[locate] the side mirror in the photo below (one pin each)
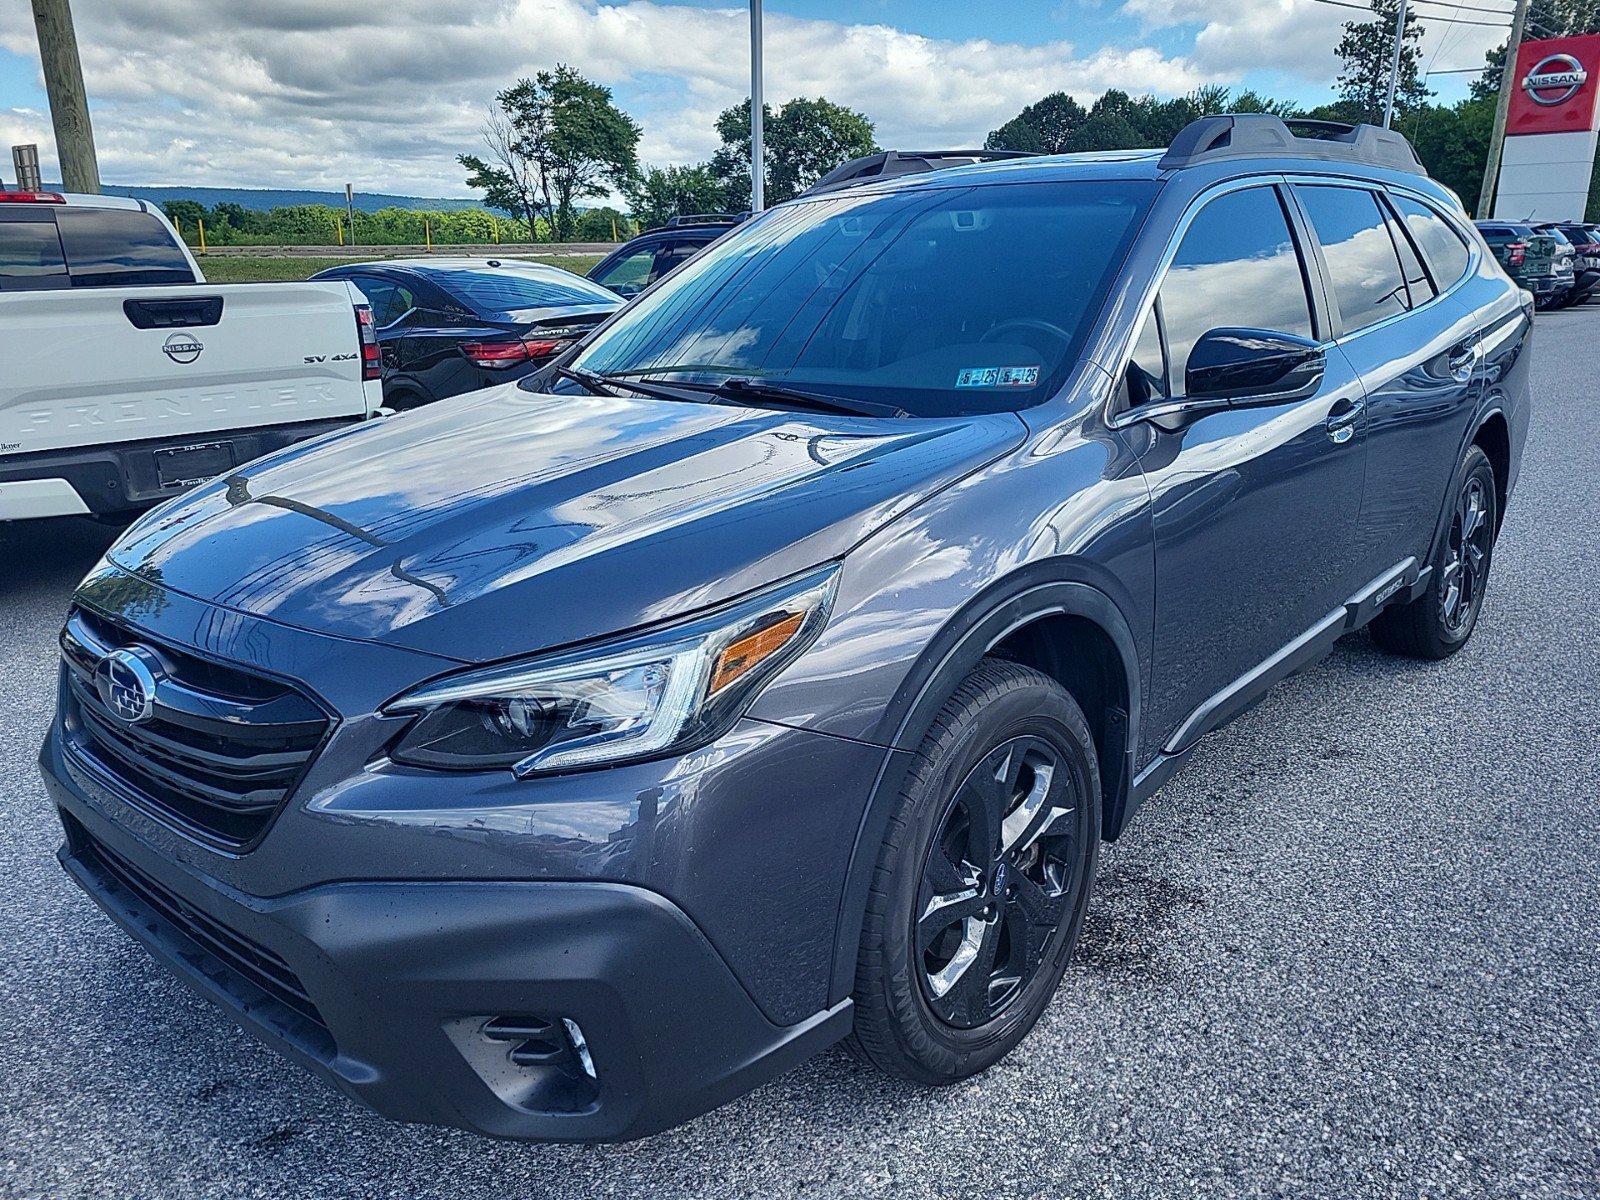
(1240, 367)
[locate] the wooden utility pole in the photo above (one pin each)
(1497, 139)
(69, 105)
(1394, 66)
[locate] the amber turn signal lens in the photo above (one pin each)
(744, 654)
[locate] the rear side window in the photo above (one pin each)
(119, 248)
(1418, 284)
(1445, 252)
(30, 253)
(1367, 281)
(389, 300)
(1236, 266)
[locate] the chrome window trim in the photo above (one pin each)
(1121, 419)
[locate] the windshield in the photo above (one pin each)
(935, 301)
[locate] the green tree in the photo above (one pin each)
(556, 139)
(1044, 127)
(661, 193)
(506, 178)
(185, 214)
(805, 139)
(1367, 52)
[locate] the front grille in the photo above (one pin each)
(221, 751)
(253, 977)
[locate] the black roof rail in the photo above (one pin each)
(720, 218)
(886, 164)
(1263, 135)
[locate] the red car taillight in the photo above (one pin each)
(371, 357)
(1516, 253)
(31, 197)
(498, 355)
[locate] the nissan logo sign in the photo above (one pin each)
(1555, 80)
(182, 348)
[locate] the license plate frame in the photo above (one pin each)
(194, 464)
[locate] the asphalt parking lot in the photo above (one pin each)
(1353, 951)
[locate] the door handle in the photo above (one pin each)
(1341, 423)
(1463, 358)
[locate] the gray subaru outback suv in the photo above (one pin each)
(563, 759)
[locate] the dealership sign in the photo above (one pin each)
(1555, 80)
(1551, 131)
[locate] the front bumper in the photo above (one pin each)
(385, 989)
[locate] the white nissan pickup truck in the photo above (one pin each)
(126, 378)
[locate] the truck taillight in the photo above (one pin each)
(31, 197)
(371, 357)
(1516, 253)
(498, 355)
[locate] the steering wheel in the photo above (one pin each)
(1035, 324)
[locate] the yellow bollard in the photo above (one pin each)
(495, 221)
(427, 234)
(338, 228)
(614, 236)
(202, 224)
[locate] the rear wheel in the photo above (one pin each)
(1438, 623)
(982, 881)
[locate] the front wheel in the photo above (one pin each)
(982, 880)
(1438, 623)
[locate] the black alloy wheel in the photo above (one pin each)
(998, 881)
(982, 878)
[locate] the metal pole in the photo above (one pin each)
(1497, 139)
(69, 105)
(758, 156)
(1394, 64)
(350, 209)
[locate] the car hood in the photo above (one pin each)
(506, 522)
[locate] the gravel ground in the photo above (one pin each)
(1350, 952)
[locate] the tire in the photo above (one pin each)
(1008, 732)
(1440, 621)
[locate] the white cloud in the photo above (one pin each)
(1298, 36)
(316, 92)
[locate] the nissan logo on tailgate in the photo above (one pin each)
(1555, 80)
(181, 347)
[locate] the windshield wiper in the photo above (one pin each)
(743, 388)
(607, 385)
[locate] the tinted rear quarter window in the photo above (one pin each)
(1443, 249)
(30, 252)
(1367, 282)
(119, 248)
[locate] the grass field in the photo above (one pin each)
(249, 268)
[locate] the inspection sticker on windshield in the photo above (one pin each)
(997, 377)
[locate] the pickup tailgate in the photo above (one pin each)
(95, 366)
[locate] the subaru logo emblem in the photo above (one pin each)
(126, 682)
(1002, 878)
(182, 347)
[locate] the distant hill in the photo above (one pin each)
(262, 199)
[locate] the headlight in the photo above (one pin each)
(639, 697)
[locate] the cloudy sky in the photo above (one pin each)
(311, 93)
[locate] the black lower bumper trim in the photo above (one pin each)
(409, 979)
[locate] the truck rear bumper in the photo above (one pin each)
(121, 476)
(559, 1011)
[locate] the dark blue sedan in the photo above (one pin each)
(453, 325)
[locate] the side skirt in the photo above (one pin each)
(1404, 581)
